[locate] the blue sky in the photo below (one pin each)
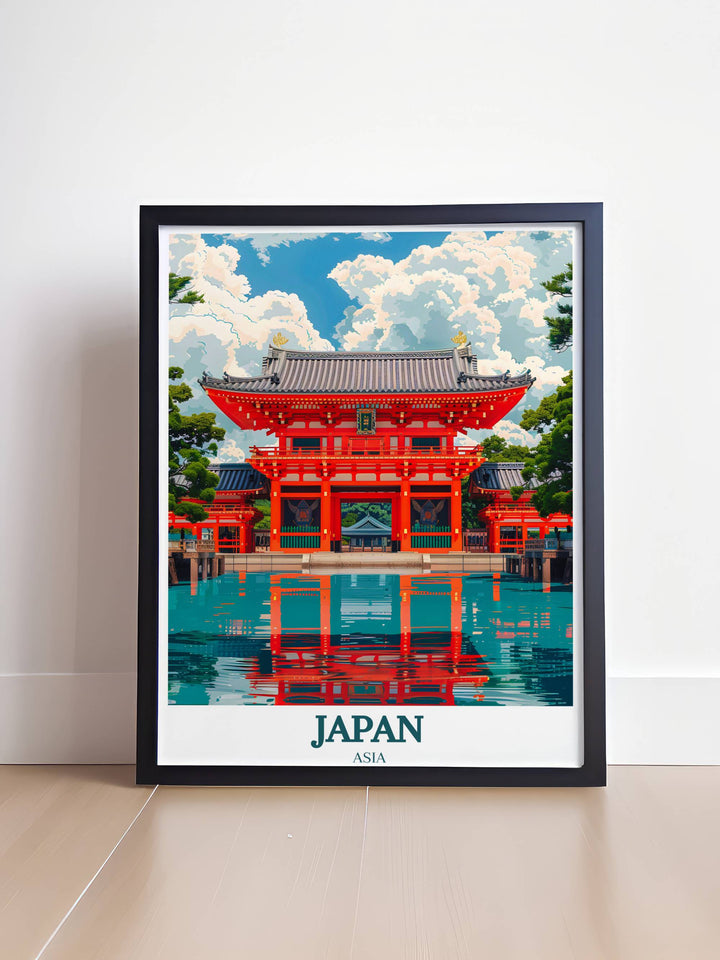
(304, 267)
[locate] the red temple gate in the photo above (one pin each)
(232, 515)
(365, 426)
(511, 522)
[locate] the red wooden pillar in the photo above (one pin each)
(325, 515)
(245, 531)
(240, 534)
(247, 517)
(338, 516)
(493, 536)
(405, 540)
(395, 516)
(275, 514)
(455, 515)
(240, 537)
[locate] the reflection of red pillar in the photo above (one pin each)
(275, 514)
(405, 586)
(405, 540)
(496, 587)
(455, 516)
(325, 613)
(325, 515)
(275, 614)
(455, 617)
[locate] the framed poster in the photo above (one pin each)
(371, 496)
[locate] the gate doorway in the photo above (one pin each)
(366, 525)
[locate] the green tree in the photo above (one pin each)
(177, 285)
(496, 449)
(561, 326)
(191, 438)
(470, 506)
(352, 511)
(264, 507)
(551, 462)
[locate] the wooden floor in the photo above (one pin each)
(94, 867)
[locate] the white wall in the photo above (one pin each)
(108, 105)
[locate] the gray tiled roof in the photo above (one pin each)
(238, 477)
(501, 476)
(335, 371)
(369, 525)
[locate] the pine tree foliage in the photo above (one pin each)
(192, 438)
(177, 285)
(561, 326)
(496, 449)
(551, 462)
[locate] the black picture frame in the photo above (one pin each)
(589, 216)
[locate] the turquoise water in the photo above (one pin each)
(469, 640)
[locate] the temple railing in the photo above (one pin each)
(475, 541)
(271, 461)
(191, 546)
(425, 537)
(548, 543)
(381, 449)
(300, 538)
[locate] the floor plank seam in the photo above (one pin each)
(360, 870)
(94, 877)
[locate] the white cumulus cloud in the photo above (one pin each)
(512, 432)
(262, 242)
(230, 451)
(243, 324)
(230, 331)
(489, 286)
(378, 236)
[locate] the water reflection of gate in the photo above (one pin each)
(397, 640)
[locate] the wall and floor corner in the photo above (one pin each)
(108, 107)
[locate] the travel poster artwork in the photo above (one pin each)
(370, 493)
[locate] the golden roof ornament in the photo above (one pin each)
(279, 340)
(461, 339)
